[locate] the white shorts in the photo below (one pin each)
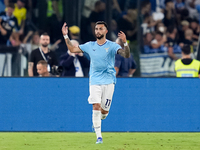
(101, 94)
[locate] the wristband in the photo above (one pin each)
(66, 36)
(126, 44)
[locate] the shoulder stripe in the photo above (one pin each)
(80, 49)
(187, 70)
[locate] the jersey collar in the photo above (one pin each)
(102, 44)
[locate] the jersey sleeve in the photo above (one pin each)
(85, 47)
(116, 47)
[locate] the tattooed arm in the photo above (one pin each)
(30, 69)
(126, 51)
(72, 48)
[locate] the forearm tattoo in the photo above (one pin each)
(69, 42)
(30, 65)
(124, 52)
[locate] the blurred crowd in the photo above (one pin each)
(166, 26)
(19, 27)
(173, 24)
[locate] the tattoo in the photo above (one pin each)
(69, 42)
(30, 65)
(124, 52)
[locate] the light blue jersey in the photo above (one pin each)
(102, 60)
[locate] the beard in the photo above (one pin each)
(45, 45)
(100, 36)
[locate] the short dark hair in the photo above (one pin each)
(167, 1)
(44, 34)
(160, 33)
(186, 49)
(171, 28)
(102, 22)
(98, 3)
(144, 3)
(194, 20)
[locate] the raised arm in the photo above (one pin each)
(126, 51)
(70, 46)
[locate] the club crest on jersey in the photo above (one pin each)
(106, 49)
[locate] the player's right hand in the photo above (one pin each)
(65, 29)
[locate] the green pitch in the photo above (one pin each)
(86, 141)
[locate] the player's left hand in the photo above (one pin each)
(122, 36)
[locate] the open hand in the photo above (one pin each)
(122, 36)
(71, 54)
(65, 29)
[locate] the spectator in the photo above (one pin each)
(53, 9)
(20, 13)
(116, 7)
(184, 15)
(88, 7)
(127, 24)
(15, 39)
(54, 19)
(160, 27)
(97, 14)
(35, 42)
(150, 19)
(173, 47)
(188, 39)
(158, 43)
(74, 64)
(42, 69)
(184, 26)
(194, 25)
(145, 8)
(7, 23)
(191, 7)
(148, 24)
(75, 33)
(179, 5)
(161, 4)
(125, 67)
(42, 53)
(169, 13)
(148, 37)
(186, 66)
